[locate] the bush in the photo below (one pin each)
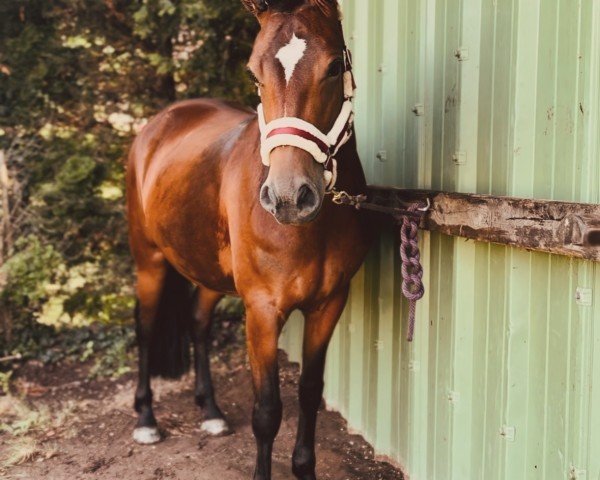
(78, 78)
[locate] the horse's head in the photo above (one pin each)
(302, 70)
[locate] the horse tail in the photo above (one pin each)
(170, 340)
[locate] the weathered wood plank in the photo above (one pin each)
(562, 228)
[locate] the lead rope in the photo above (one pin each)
(409, 220)
(412, 270)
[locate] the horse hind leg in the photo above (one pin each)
(146, 430)
(214, 422)
(163, 314)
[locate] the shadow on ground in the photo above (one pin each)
(76, 428)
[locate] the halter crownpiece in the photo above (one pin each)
(295, 132)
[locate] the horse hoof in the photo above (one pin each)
(215, 427)
(146, 435)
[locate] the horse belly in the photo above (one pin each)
(198, 250)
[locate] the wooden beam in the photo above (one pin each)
(562, 228)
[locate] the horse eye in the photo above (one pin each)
(253, 77)
(335, 68)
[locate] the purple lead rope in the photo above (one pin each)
(412, 271)
(409, 220)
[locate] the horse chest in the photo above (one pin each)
(298, 265)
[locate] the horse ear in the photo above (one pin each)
(256, 7)
(328, 7)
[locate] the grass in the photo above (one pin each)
(26, 449)
(25, 424)
(19, 418)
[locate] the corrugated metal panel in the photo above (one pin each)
(503, 380)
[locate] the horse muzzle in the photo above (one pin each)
(292, 205)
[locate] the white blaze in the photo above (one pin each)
(290, 55)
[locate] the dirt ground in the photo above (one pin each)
(73, 428)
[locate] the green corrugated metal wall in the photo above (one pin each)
(503, 379)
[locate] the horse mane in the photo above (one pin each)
(328, 7)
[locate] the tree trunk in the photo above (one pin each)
(5, 242)
(4, 225)
(167, 81)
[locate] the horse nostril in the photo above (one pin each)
(306, 199)
(267, 199)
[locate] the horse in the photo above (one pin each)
(223, 199)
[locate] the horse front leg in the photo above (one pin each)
(214, 422)
(263, 326)
(318, 328)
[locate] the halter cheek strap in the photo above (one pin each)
(295, 132)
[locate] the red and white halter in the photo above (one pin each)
(295, 132)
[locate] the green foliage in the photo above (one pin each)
(5, 378)
(20, 426)
(110, 346)
(22, 423)
(28, 273)
(78, 78)
(115, 360)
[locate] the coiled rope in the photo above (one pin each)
(409, 220)
(412, 270)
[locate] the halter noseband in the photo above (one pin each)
(295, 132)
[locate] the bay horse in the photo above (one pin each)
(228, 200)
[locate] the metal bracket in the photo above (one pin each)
(584, 296)
(462, 54)
(453, 397)
(508, 433)
(576, 473)
(414, 366)
(460, 158)
(427, 207)
(582, 230)
(419, 109)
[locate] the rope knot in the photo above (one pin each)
(412, 270)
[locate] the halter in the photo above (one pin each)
(295, 132)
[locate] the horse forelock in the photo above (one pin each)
(291, 40)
